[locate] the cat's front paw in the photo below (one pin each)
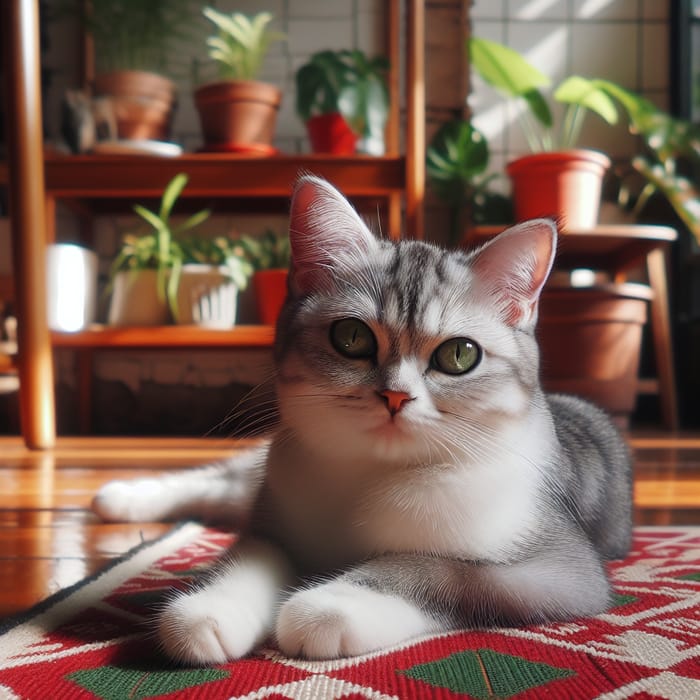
(201, 629)
(127, 501)
(341, 619)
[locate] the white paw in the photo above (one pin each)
(339, 619)
(200, 629)
(127, 501)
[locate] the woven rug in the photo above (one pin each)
(93, 641)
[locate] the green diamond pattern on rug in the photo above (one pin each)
(485, 673)
(620, 599)
(695, 576)
(113, 683)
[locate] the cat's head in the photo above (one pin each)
(405, 351)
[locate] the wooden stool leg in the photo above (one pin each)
(661, 332)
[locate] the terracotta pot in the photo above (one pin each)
(565, 185)
(142, 103)
(330, 133)
(590, 341)
(270, 293)
(135, 300)
(237, 113)
(207, 297)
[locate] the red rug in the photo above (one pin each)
(92, 641)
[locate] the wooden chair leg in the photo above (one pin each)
(661, 332)
(19, 29)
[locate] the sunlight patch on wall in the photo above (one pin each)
(591, 8)
(536, 9)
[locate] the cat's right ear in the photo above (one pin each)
(326, 235)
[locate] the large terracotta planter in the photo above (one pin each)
(142, 103)
(237, 114)
(330, 133)
(565, 185)
(206, 297)
(270, 292)
(590, 340)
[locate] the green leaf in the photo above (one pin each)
(193, 221)
(149, 216)
(586, 93)
(539, 107)
(505, 69)
(171, 193)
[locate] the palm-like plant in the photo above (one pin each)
(241, 44)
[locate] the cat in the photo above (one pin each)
(419, 479)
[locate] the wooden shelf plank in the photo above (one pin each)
(218, 175)
(166, 337)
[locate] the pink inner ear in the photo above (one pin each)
(515, 266)
(324, 230)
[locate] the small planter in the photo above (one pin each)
(565, 185)
(207, 297)
(590, 340)
(237, 114)
(330, 133)
(135, 300)
(270, 292)
(142, 103)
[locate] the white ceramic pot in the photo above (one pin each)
(71, 285)
(206, 296)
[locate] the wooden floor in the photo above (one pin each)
(49, 539)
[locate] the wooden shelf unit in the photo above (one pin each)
(95, 184)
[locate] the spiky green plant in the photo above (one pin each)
(241, 44)
(160, 247)
(133, 34)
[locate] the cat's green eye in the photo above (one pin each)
(353, 338)
(456, 356)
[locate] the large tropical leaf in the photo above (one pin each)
(587, 93)
(457, 154)
(507, 71)
(504, 68)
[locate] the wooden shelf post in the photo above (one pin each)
(20, 37)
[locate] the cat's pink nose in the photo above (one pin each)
(394, 400)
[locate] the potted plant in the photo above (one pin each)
(214, 271)
(238, 112)
(670, 162)
(163, 274)
(557, 179)
(342, 96)
(456, 162)
(145, 274)
(270, 255)
(134, 45)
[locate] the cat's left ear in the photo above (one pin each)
(326, 236)
(514, 267)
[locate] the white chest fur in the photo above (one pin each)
(481, 510)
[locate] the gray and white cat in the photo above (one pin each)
(419, 480)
